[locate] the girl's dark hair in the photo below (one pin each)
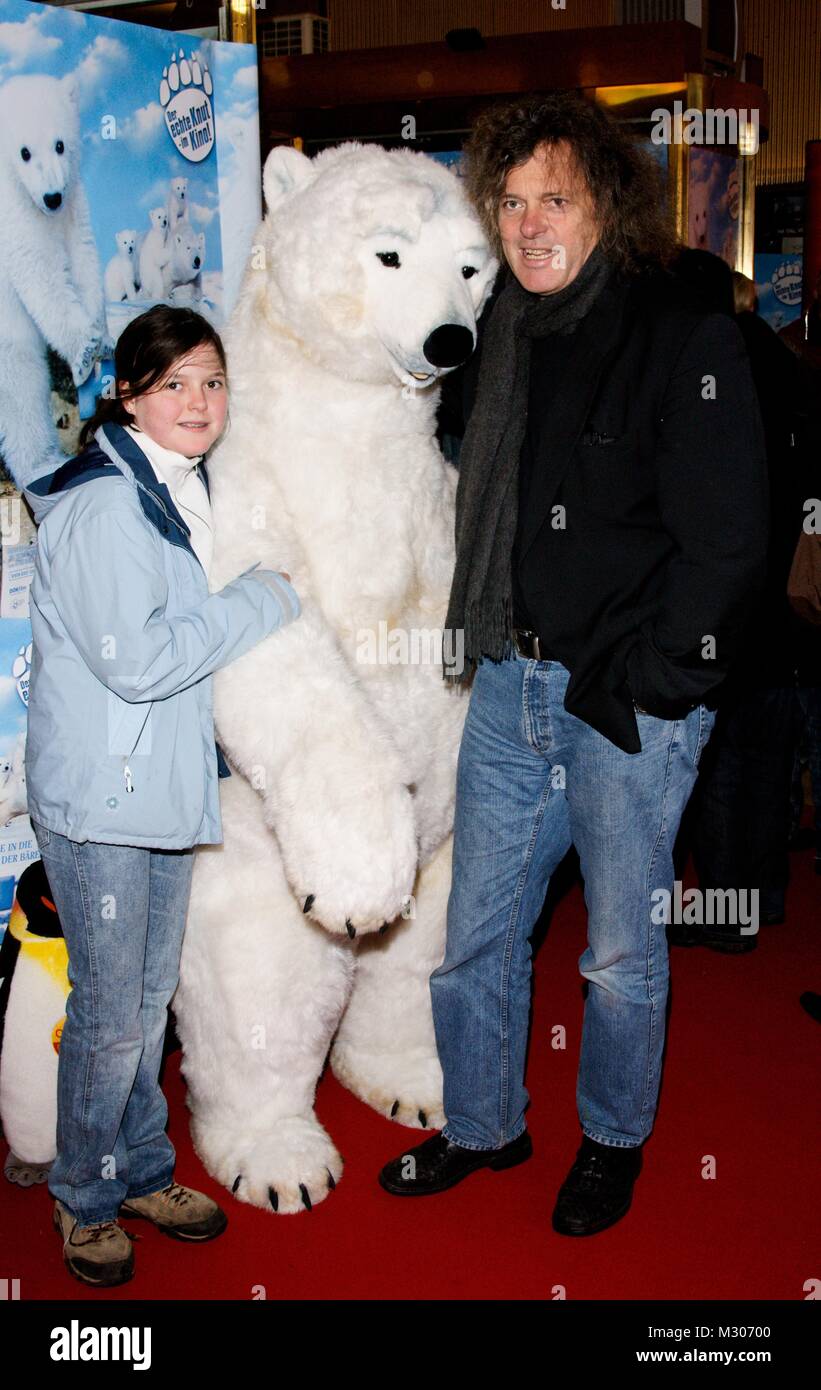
(146, 351)
(624, 182)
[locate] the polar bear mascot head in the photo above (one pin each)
(377, 257)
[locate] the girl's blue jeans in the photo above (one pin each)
(532, 780)
(122, 910)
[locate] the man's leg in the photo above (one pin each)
(511, 830)
(625, 811)
(810, 703)
(742, 799)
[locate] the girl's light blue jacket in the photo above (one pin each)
(120, 742)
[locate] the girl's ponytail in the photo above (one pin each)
(108, 410)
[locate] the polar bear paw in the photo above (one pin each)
(82, 365)
(406, 1088)
(290, 1168)
(353, 871)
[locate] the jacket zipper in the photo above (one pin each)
(129, 780)
(170, 518)
(127, 774)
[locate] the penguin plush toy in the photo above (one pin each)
(35, 986)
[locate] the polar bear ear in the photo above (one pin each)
(285, 169)
(70, 87)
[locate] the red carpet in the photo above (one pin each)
(740, 1084)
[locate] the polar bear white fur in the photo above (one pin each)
(13, 793)
(121, 272)
(365, 283)
(51, 291)
(183, 273)
(154, 257)
(177, 204)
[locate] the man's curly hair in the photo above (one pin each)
(624, 182)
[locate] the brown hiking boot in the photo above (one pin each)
(179, 1212)
(100, 1254)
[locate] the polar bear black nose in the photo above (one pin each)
(448, 345)
(52, 200)
(196, 262)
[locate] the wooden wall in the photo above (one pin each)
(379, 23)
(787, 34)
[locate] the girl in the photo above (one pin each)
(122, 767)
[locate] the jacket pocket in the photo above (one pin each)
(129, 725)
(609, 473)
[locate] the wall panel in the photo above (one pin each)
(787, 34)
(378, 23)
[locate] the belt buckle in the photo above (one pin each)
(523, 636)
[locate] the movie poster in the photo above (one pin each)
(130, 175)
(778, 283)
(713, 204)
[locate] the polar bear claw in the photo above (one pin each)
(292, 1167)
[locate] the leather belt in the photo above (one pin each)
(528, 644)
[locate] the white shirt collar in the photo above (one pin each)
(170, 467)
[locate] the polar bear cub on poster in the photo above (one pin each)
(183, 272)
(121, 272)
(51, 290)
(363, 290)
(177, 203)
(154, 256)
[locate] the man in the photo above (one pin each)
(601, 612)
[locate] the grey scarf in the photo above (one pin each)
(487, 494)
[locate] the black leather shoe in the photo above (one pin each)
(729, 943)
(598, 1190)
(438, 1164)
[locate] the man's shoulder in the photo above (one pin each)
(663, 298)
(671, 315)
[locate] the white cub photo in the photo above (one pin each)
(51, 286)
(183, 269)
(154, 256)
(121, 272)
(317, 924)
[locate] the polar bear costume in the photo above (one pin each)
(363, 288)
(51, 290)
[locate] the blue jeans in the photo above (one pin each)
(122, 910)
(532, 780)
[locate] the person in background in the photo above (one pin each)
(122, 767)
(738, 820)
(803, 335)
(745, 295)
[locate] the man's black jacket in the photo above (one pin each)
(645, 542)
